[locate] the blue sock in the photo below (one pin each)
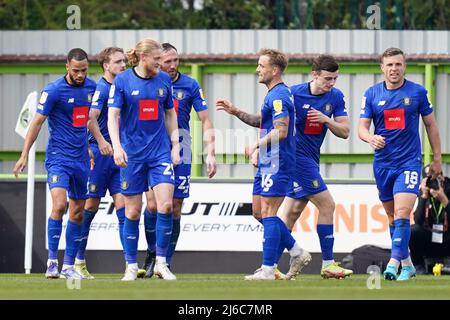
(88, 216)
(272, 238)
(164, 224)
(174, 239)
(131, 237)
(54, 229)
(280, 252)
(121, 217)
(325, 232)
(400, 239)
(150, 230)
(391, 229)
(73, 239)
(287, 240)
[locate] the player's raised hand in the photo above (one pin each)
(226, 106)
(317, 116)
(377, 142)
(120, 157)
(211, 166)
(20, 165)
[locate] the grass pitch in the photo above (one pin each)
(220, 287)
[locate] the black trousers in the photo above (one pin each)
(420, 245)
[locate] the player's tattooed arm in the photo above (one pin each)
(250, 119)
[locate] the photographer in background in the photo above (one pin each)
(429, 234)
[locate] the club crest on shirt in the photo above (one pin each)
(89, 97)
(328, 107)
(406, 101)
(124, 185)
(277, 106)
(55, 179)
(315, 183)
(92, 187)
(180, 95)
(161, 92)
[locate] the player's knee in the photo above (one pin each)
(327, 207)
(165, 207)
(151, 207)
(402, 213)
(59, 208)
(76, 217)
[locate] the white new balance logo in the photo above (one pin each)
(306, 106)
(135, 92)
(397, 240)
(71, 100)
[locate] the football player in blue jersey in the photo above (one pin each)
(319, 106)
(65, 102)
(187, 93)
(105, 174)
(395, 106)
(142, 96)
(276, 147)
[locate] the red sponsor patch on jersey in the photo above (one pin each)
(394, 119)
(175, 105)
(80, 116)
(148, 109)
(313, 127)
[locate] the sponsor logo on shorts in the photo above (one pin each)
(315, 183)
(92, 187)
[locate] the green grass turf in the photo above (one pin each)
(221, 287)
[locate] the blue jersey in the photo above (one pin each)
(142, 103)
(309, 135)
(395, 115)
(100, 102)
(186, 94)
(278, 103)
(67, 109)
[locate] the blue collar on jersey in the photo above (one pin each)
(404, 82)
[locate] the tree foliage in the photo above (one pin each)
(224, 14)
